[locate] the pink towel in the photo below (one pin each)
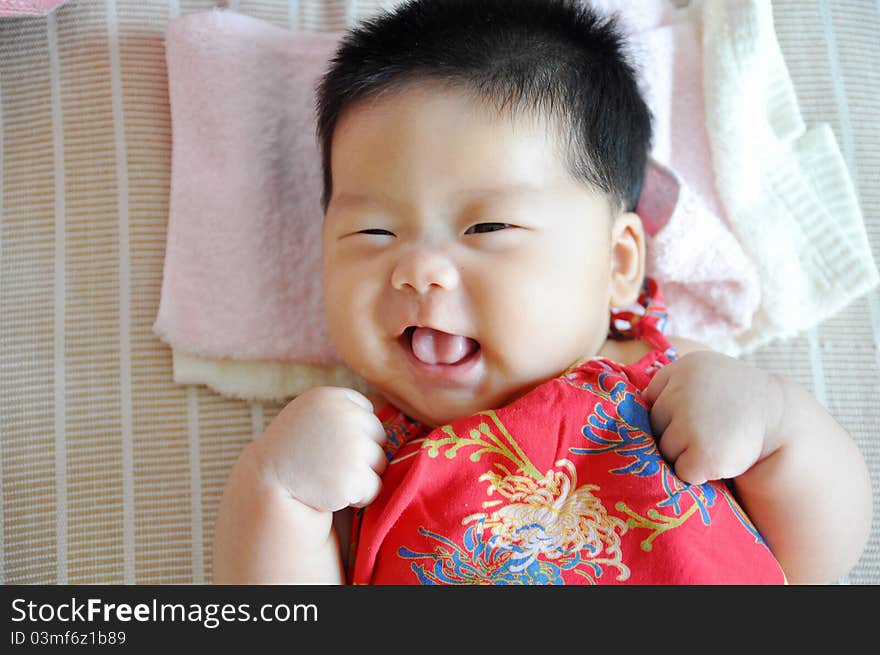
(243, 252)
(28, 7)
(242, 264)
(713, 287)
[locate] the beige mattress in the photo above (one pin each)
(110, 472)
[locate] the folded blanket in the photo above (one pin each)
(241, 303)
(785, 187)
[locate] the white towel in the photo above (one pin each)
(785, 188)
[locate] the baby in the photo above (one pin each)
(482, 162)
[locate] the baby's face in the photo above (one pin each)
(462, 264)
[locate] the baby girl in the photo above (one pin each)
(484, 272)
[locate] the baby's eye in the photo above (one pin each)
(375, 230)
(480, 228)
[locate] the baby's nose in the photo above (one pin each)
(420, 270)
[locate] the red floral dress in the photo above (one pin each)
(565, 485)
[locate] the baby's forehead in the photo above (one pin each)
(472, 148)
(490, 108)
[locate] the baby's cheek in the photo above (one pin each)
(347, 312)
(549, 329)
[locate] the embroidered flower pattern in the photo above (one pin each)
(552, 517)
(548, 521)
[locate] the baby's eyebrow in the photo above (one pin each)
(505, 190)
(518, 188)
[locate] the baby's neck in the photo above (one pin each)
(624, 352)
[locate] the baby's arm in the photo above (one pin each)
(811, 494)
(797, 472)
(265, 536)
(288, 488)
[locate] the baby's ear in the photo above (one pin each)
(627, 259)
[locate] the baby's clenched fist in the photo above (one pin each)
(325, 449)
(714, 416)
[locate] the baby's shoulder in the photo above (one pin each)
(630, 351)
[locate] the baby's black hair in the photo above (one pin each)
(555, 58)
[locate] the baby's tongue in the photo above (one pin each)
(435, 347)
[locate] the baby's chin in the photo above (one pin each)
(435, 419)
(443, 409)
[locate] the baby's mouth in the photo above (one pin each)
(434, 347)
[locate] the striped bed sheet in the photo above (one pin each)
(111, 473)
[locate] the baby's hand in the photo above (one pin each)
(714, 416)
(325, 449)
